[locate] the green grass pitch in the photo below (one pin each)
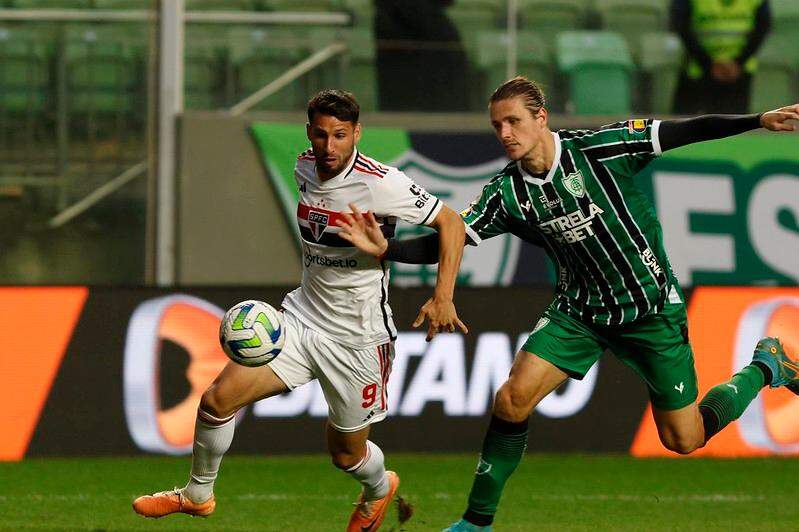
(305, 493)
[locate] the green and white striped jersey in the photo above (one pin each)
(596, 225)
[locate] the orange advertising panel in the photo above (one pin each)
(32, 345)
(193, 325)
(725, 324)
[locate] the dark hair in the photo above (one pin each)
(334, 102)
(534, 98)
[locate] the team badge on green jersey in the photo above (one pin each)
(574, 184)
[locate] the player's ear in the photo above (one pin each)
(308, 130)
(356, 133)
(543, 117)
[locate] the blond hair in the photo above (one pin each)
(529, 90)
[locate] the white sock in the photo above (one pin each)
(212, 437)
(371, 472)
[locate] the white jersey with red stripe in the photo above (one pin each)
(344, 292)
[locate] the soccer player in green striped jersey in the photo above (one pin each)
(572, 193)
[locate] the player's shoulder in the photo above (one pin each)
(504, 176)
(606, 134)
(499, 182)
(369, 167)
(305, 160)
(306, 155)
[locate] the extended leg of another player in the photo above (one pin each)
(531, 379)
(689, 428)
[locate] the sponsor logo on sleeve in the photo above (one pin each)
(636, 126)
(422, 196)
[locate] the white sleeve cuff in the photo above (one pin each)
(437, 206)
(656, 137)
(472, 234)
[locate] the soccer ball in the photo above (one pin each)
(252, 333)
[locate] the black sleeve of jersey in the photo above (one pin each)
(758, 33)
(422, 250)
(680, 132)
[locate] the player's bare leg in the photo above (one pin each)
(682, 430)
(531, 379)
(689, 428)
(353, 453)
(236, 386)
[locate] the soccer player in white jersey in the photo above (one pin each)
(338, 323)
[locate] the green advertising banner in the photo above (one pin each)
(729, 208)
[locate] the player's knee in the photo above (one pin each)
(213, 403)
(512, 403)
(681, 444)
(344, 460)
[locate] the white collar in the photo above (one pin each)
(555, 163)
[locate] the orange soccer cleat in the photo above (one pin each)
(169, 502)
(369, 515)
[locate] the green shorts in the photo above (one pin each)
(655, 346)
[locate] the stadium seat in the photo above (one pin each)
(362, 11)
(220, 5)
(785, 15)
(473, 16)
(598, 66)
(534, 59)
(51, 4)
(550, 17)
(103, 68)
(774, 83)
(124, 4)
(305, 5)
(24, 69)
(203, 67)
(354, 71)
(661, 58)
(632, 19)
(259, 55)
(785, 20)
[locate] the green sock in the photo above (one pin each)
(503, 448)
(726, 402)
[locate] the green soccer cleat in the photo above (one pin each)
(466, 526)
(784, 371)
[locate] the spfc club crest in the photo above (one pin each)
(317, 221)
(574, 184)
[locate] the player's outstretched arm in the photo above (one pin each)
(681, 132)
(446, 247)
(363, 231)
(439, 310)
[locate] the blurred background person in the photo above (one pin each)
(721, 38)
(421, 63)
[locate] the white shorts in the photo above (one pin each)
(354, 381)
